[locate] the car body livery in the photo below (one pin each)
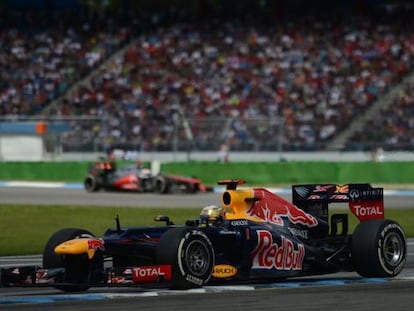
(259, 237)
(104, 175)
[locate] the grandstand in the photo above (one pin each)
(146, 77)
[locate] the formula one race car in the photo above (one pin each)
(105, 175)
(254, 236)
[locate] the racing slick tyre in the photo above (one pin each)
(90, 184)
(190, 254)
(76, 266)
(378, 248)
(194, 188)
(161, 185)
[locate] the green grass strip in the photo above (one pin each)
(255, 173)
(25, 229)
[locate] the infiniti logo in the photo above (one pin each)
(353, 194)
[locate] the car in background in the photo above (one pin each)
(104, 175)
(253, 236)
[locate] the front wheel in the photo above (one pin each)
(161, 185)
(191, 255)
(378, 248)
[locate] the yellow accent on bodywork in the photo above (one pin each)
(75, 247)
(224, 271)
(239, 202)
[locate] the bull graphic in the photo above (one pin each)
(273, 209)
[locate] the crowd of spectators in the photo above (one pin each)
(41, 55)
(217, 79)
(393, 129)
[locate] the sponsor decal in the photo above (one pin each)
(80, 246)
(388, 228)
(366, 194)
(269, 255)
(302, 191)
(43, 277)
(224, 271)
(148, 274)
(315, 197)
(354, 194)
(118, 279)
(367, 210)
(339, 197)
(225, 232)
(273, 209)
(96, 244)
(120, 276)
(342, 188)
(239, 223)
(371, 192)
(300, 233)
(323, 188)
(193, 279)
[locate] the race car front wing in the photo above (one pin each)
(27, 276)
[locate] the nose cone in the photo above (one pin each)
(79, 246)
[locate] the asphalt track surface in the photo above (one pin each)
(342, 291)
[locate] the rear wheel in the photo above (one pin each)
(195, 187)
(90, 184)
(76, 266)
(191, 255)
(378, 248)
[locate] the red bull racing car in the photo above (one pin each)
(254, 236)
(104, 175)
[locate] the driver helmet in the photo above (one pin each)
(211, 214)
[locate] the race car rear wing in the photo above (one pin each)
(365, 201)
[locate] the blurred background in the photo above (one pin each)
(193, 77)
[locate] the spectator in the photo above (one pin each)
(315, 74)
(223, 154)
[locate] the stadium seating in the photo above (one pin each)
(42, 55)
(315, 74)
(392, 130)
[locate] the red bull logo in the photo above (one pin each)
(96, 244)
(272, 208)
(270, 255)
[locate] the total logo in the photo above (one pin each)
(269, 255)
(367, 210)
(151, 273)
